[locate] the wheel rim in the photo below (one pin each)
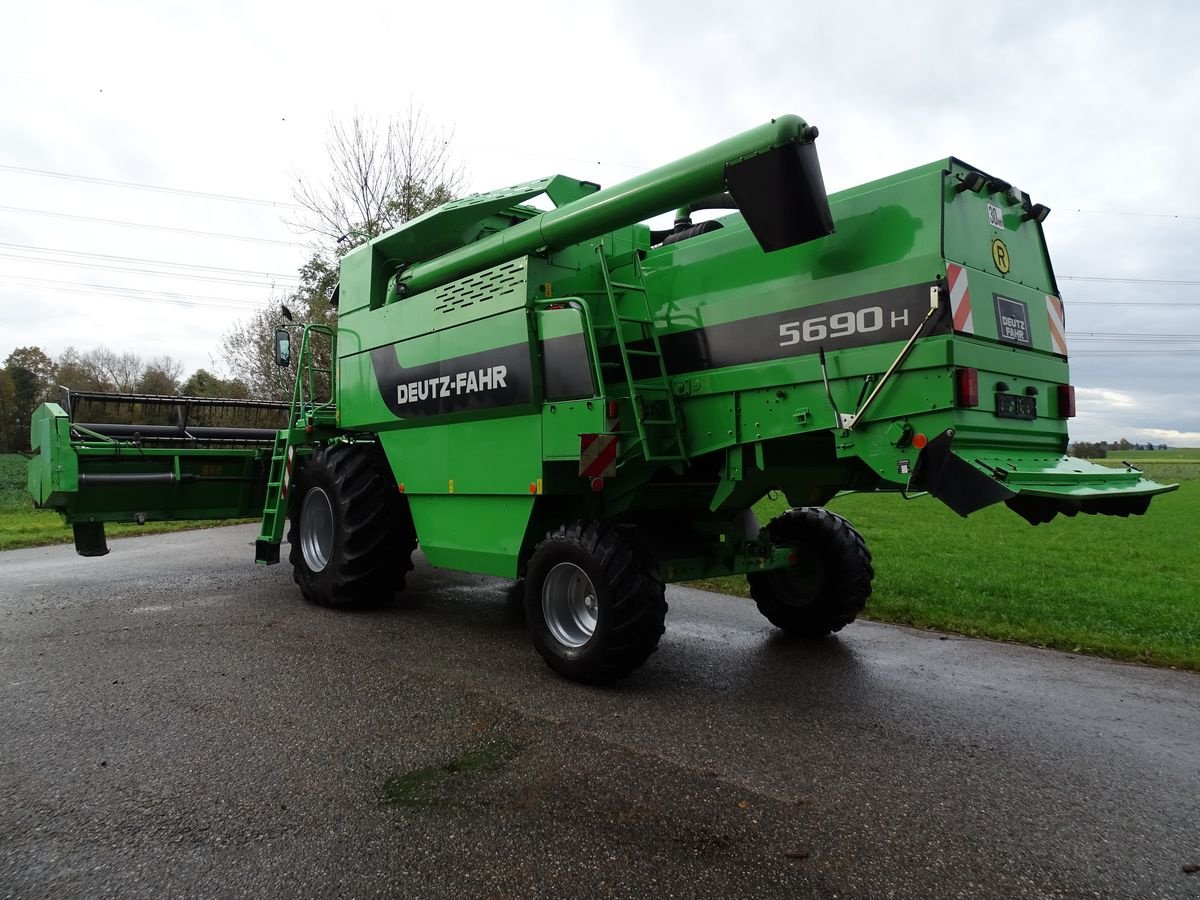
(569, 605)
(316, 529)
(804, 580)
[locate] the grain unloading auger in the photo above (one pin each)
(567, 396)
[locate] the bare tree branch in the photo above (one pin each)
(379, 176)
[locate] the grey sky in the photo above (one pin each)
(1090, 107)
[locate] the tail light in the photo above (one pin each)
(1066, 401)
(966, 387)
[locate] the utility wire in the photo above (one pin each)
(1115, 279)
(156, 300)
(1116, 212)
(88, 179)
(127, 290)
(1185, 304)
(213, 234)
(156, 273)
(155, 262)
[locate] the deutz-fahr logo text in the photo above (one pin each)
(470, 382)
(1012, 321)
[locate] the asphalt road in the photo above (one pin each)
(175, 721)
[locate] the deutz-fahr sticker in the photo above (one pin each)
(499, 377)
(1012, 321)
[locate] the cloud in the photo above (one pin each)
(1172, 437)
(1097, 398)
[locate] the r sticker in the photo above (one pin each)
(1000, 256)
(995, 216)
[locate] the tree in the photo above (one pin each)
(1084, 450)
(7, 412)
(160, 376)
(203, 383)
(31, 373)
(78, 372)
(379, 177)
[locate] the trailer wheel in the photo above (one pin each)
(351, 537)
(594, 603)
(828, 585)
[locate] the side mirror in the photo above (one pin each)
(283, 347)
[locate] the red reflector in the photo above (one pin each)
(613, 409)
(966, 385)
(1066, 401)
(919, 441)
(597, 484)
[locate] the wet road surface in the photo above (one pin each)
(175, 721)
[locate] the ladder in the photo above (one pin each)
(312, 408)
(266, 548)
(659, 434)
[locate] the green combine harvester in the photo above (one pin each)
(569, 397)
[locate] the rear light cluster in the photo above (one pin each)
(966, 392)
(966, 387)
(1066, 401)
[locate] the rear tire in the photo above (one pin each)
(594, 603)
(829, 584)
(351, 535)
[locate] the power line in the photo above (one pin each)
(1116, 279)
(215, 234)
(1183, 304)
(1141, 354)
(88, 179)
(1117, 212)
(142, 259)
(22, 279)
(1134, 334)
(156, 273)
(120, 296)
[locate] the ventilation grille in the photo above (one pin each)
(487, 285)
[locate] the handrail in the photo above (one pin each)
(589, 333)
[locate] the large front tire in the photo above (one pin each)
(351, 536)
(594, 603)
(828, 584)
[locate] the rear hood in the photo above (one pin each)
(1034, 484)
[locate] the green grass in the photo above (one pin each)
(1190, 454)
(23, 526)
(1122, 588)
(1165, 466)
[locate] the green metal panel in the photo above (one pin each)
(53, 472)
(472, 533)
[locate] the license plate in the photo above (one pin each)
(1016, 406)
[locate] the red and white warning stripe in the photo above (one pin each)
(597, 455)
(287, 470)
(960, 299)
(1058, 324)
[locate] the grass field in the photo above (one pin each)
(23, 526)
(1124, 588)
(1166, 466)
